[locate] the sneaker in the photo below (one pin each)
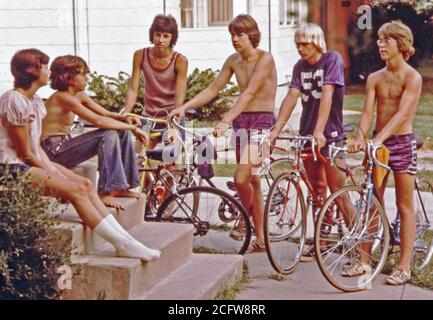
(398, 277)
(309, 254)
(355, 269)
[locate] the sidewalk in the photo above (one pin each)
(308, 283)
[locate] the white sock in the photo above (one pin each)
(116, 225)
(125, 246)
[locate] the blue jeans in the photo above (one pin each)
(117, 163)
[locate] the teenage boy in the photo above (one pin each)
(396, 89)
(251, 113)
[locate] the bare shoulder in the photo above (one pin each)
(413, 76)
(181, 61)
(138, 54)
(82, 96)
(375, 77)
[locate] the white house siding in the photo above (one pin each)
(115, 29)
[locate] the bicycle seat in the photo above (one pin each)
(166, 154)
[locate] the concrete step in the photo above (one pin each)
(202, 277)
(81, 238)
(104, 276)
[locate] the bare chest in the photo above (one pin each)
(390, 87)
(244, 72)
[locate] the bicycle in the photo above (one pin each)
(352, 226)
(286, 207)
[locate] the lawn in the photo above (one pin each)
(423, 119)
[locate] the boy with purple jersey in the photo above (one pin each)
(396, 89)
(318, 77)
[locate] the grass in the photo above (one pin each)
(422, 122)
(231, 292)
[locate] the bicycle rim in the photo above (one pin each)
(423, 247)
(284, 224)
(346, 235)
(211, 234)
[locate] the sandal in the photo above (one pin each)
(256, 246)
(355, 269)
(398, 277)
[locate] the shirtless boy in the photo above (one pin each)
(396, 90)
(253, 111)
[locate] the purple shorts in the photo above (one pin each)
(402, 153)
(249, 125)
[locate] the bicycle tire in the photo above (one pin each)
(284, 246)
(423, 247)
(342, 250)
(211, 235)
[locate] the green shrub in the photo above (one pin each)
(110, 92)
(363, 50)
(30, 249)
(214, 109)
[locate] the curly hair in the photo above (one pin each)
(64, 68)
(26, 66)
(163, 23)
(244, 23)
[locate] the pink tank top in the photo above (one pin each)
(159, 86)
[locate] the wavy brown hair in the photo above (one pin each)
(26, 67)
(64, 68)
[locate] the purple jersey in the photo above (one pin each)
(309, 79)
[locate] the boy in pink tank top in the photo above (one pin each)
(164, 72)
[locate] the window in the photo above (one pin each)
(203, 13)
(289, 12)
(220, 12)
(187, 13)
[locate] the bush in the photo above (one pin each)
(214, 109)
(30, 249)
(111, 91)
(362, 43)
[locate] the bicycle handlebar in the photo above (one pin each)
(371, 153)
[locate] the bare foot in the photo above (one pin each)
(126, 194)
(111, 201)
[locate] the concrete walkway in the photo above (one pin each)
(307, 282)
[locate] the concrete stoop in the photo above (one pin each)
(200, 278)
(178, 274)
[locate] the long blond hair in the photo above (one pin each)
(311, 33)
(402, 34)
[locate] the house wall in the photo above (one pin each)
(109, 31)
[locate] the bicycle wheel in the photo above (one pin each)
(348, 238)
(423, 248)
(211, 234)
(284, 223)
(276, 168)
(178, 178)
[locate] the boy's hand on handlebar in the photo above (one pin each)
(133, 120)
(356, 146)
(220, 129)
(273, 137)
(141, 136)
(178, 112)
(320, 139)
